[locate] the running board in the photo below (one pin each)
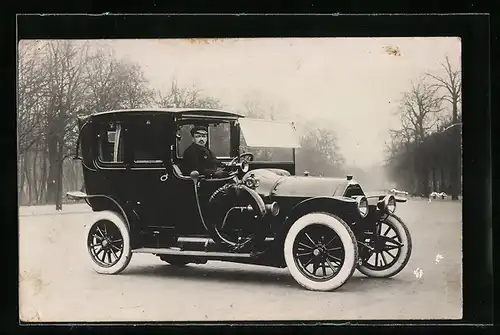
(206, 240)
(169, 251)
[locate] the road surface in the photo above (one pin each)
(57, 283)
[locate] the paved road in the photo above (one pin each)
(57, 283)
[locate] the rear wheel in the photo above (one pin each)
(108, 243)
(320, 251)
(391, 251)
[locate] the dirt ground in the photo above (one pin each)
(57, 283)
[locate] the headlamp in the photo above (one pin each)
(362, 206)
(388, 204)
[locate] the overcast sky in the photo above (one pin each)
(350, 85)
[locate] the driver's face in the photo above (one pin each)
(200, 138)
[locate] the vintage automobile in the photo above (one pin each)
(399, 192)
(262, 213)
(435, 195)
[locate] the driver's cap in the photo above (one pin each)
(202, 130)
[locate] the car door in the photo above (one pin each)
(187, 212)
(154, 194)
(109, 168)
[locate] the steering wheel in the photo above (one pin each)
(241, 156)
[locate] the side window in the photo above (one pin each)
(219, 139)
(110, 143)
(185, 139)
(148, 145)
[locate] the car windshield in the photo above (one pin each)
(268, 134)
(268, 140)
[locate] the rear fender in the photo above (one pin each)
(116, 207)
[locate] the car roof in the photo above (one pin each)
(174, 111)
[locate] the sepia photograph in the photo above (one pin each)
(239, 179)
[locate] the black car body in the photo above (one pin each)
(263, 213)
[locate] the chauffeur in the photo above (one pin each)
(198, 157)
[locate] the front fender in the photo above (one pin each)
(344, 208)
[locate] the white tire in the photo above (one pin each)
(336, 228)
(112, 256)
(395, 261)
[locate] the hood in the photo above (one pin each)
(273, 183)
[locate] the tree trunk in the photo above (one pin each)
(442, 181)
(456, 161)
(424, 181)
(454, 169)
(35, 179)
(434, 183)
(27, 175)
(43, 176)
(76, 177)
(59, 181)
(53, 173)
(20, 194)
(421, 177)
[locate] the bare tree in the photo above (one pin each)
(65, 62)
(420, 110)
(31, 98)
(319, 153)
(420, 114)
(182, 97)
(30, 95)
(400, 159)
(113, 84)
(134, 91)
(451, 84)
(101, 80)
(257, 106)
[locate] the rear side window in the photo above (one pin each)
(110, 143)
(150, 144)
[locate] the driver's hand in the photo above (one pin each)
(221, 173)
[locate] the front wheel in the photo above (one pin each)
(320, 251)
(391, 251)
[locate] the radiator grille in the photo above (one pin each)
(353, 190)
